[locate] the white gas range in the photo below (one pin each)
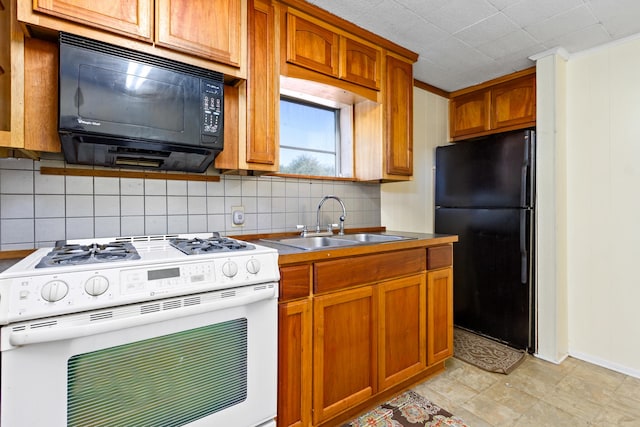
(86, 317)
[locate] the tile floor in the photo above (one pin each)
(537, 393)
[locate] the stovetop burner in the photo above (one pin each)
(209, 245)
(76, 254)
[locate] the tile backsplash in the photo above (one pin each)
(36, 210)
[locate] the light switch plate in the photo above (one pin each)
(237, 216)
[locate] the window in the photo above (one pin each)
(313, 140)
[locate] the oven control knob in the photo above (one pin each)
(253, 266)
(54, 290)
(229, 269)
(96, 285)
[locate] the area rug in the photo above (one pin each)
(485, 353)
(407, 410)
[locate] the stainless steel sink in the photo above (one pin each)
(310, 243)
(323, 242)
(373, 238)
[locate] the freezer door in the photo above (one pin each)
(496, 171)
(492, 271)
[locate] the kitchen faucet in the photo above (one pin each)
(342, 217)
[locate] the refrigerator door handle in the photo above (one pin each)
(524, 255)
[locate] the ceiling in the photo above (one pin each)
(465, 42)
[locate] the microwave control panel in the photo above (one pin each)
(212, 105)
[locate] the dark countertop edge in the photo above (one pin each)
(288, 255)
(9, 258)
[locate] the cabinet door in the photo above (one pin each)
(131, 17)
(439, 315)
(344, 351)
(514, 103)
(399, 117)
(360, 63)
(41, 95)
(469, 114)
(402, 329)
(263, 93)
(311, 45)
(211, 29)
(294, 364)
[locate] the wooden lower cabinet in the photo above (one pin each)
(439, 315)
(294, 363)
(401, 329)
(344, 350)
(360, 334)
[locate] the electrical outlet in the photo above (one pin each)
(237, 216)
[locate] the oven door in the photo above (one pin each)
(205, 359)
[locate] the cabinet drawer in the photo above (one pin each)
(295, 282)
(343, 273)
(439, 257)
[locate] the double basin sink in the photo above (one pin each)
(326, 242)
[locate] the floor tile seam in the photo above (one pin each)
(553, 402)
(508, 408)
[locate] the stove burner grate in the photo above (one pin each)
(75, 254)
(209, 245)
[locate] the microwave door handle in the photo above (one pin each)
(27, 337)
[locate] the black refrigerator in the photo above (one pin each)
(485, 193)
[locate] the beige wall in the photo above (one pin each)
(408, 206)
(603, 199)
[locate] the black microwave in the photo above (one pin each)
(127, 109)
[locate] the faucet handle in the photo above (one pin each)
(303, 229)
(331, 227)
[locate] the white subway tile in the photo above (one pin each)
(232, 186)
(216, 223)
(155, 224)
(264, 187)
(215, 205)
(16, 206)
(50, 206)
(79, 184)
(155, 187)
(249, 186)
(196, 188)
(79, 205)
(197, 205)
(16, 181)
(155, 205)
(131, 186)
(197, 223)
(131, 205)
(107, 226)
(106, 185)
(177, 224)
(216, 188)
(176, 188)
(177, 205)
(50, 229)
(14, 163)
(132, 225)
(107, 206)
(16, 231)
(49, 184)
(79, 228)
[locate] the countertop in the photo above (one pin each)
(291, 255)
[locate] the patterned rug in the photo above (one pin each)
(485, 353)
(407, 410)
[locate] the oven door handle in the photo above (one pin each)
(61, 332)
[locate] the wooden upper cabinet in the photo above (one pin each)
(311, 45)
(360, 63)
(129, 17)
(320, 47)
(514, 103)
(470, 113)
(195, 32)
(210, 29)
(500, 105)
(399, 117)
